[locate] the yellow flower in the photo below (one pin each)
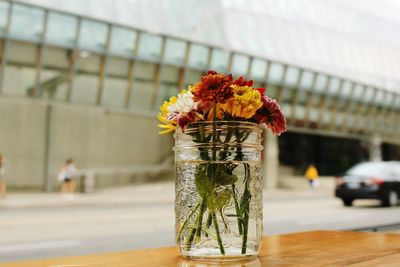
(244, 103)
(168, 126)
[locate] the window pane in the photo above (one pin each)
(169, 74)
(389, 99)
(85, 89)
(380, 97)
(115, 82)
(86, 80)
(219, 60)
(122, 41)
(174, 51)
(275, 73)
(20, 72)
(302, 97)
(150, 46)
(369, 93)
(27, 22)
(114, 92)
(198, 56)
(192, 77)
(3, 16)
(61, 29)
(168, 84)
(258, 69)
(307, 79)
(240, 64)
(346, 89)
(358, 92)
(272, 91)
(287, 95)
(141, 95)
(144, 70)
(397, 103)
(93, 35)
(166, 91)
(54, 76)
(118, 67)
(333, 86)
(292, 75)
(321, 83)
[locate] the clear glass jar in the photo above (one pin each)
(218, 186)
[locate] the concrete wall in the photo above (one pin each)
(22, 141)
(326, 183)
(94, 137)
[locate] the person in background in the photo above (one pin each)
(312, 175)
(67, 177)
(3, 184)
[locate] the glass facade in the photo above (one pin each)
(65, 57)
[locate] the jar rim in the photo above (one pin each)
(242, 124)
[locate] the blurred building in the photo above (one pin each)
(84, 79)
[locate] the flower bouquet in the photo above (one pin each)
(218, 203)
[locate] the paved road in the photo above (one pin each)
(41, 226)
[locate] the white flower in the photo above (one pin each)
(184, 104)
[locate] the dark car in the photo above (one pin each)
(370, 180)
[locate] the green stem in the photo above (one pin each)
(245, 205)
(189, 240)
(214, 136)
(223, 219)
(215, 222)
(208, 222)
(178, 236)
(199, 221)
(245, 232)
(214, 158)
(224, 153)
(237, 209)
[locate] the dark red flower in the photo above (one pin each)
(271, 115)
(213, 88)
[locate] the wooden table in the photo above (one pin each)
(317, 248)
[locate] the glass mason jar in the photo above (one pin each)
(218, 186)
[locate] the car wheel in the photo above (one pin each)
(391, 199)
(347, 202)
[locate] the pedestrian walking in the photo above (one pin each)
(312, 176)
(3, 184)
(67, 177)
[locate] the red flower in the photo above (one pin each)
(242, 82)
(261, 90)
(213, 88)
(271, 115)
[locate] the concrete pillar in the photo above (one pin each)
(375, 151)
(271, 160)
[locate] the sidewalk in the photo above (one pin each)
(150, 193)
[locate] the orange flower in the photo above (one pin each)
(213, 88)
